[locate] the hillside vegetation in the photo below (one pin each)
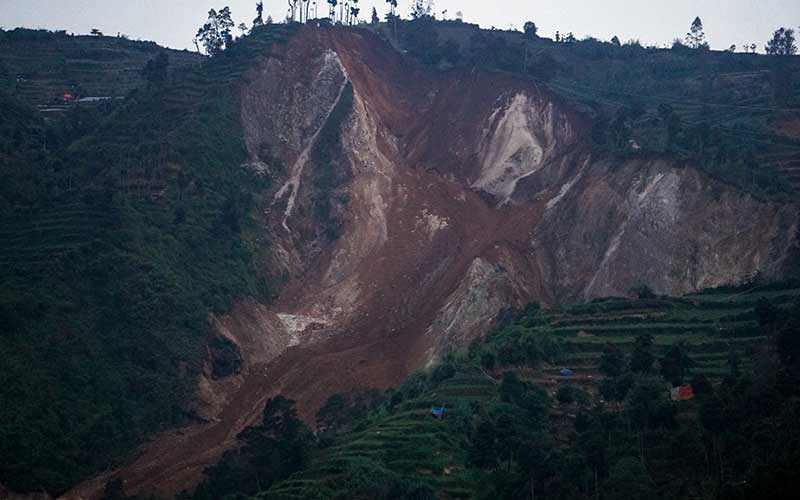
(39, 67)
(513, 427)
(120, 233)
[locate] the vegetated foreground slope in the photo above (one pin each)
(411, 206)
(502, 436)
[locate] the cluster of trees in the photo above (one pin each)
(568, 38)
(156, 69)
(726, 445)
(348, 11)
(268, 452)
(421, 9)
(782, 43)
(215, 34)
(651, 448)
(282, 445)
(621, 373)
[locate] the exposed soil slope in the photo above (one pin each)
(414, 205)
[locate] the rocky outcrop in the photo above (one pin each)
(653, 223)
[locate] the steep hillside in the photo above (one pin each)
(119, 233)
(410, 206)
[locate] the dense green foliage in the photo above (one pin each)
(269, 452)
(515, 428)
(124, 226)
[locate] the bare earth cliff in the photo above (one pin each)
(412, 205)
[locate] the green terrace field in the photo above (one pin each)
(715, 325)
(408, 441)
(402, 443)
(40, 66)
(37, 239)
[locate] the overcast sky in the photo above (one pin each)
(174, 22)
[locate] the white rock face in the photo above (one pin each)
(520, 139)
(430, 223)
(472, 307)
(331, 73)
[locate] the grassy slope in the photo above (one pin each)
(408, 442)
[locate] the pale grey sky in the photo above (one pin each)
(174, 22)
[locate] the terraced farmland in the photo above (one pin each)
(408, 442)
(715, 326)
(41, 66)
(36, 240)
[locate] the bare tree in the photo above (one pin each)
(421, 8)
(392, 6)
(393, 14)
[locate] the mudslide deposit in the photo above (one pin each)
(412, 205)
